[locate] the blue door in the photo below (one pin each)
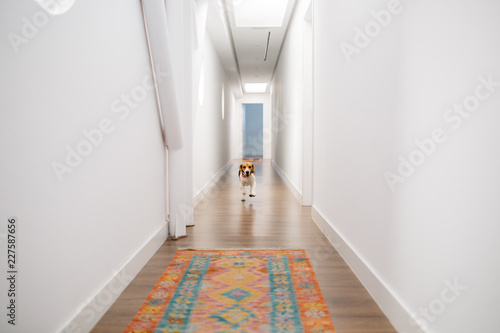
(253, 130)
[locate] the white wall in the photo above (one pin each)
(440, 226)
(237, 124)
(288, 102)
(76, 233)
(212, 133)
(180, 20)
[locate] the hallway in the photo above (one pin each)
(379, 117)
(274, 219)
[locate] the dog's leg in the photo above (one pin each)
(252, 190)
(243, 192)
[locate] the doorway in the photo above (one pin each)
(253, 130)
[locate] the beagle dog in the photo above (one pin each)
(247, 178)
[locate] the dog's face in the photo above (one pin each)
(247, 169)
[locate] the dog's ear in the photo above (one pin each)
(253, 168)
(241, 168)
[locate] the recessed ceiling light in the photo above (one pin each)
(255, 88)
(259, 13)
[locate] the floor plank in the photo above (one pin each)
(274, 219)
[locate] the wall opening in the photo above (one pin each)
(253, 130)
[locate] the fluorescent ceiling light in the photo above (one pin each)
(259, 13)
(255, 87)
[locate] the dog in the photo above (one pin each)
(247, 178)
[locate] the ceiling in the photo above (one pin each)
(248, 54)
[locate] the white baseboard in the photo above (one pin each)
(288, 182)
(386, 300)
(211, 183)
(89, 313)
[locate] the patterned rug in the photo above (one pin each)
(235, 291)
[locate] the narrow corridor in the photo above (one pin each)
(274, 219)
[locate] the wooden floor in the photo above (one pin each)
(274, 219)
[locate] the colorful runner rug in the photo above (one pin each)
(235, 291)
